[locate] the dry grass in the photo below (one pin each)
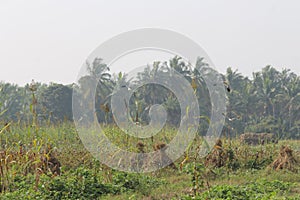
(258, 138)
(285, 160)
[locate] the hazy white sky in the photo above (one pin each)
(48, 40)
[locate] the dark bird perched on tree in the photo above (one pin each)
(227, 86)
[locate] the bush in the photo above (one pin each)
(81, 183)
(262, 190)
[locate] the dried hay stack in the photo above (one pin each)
(161, 147)
(217, 158)
(285, 160)
(258, 138)
(142, 161)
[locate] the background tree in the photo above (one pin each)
(269, 101)
(56, 102)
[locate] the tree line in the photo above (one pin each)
(268, 101)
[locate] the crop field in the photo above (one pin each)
(228, 138)
(50, 162)
(149, 100)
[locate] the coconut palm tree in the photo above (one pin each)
(97, 73)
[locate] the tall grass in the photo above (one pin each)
(24, 150)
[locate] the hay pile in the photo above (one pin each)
(285, 160)
(258, 138)
(217, 157)
(163, 157)
(143, 161)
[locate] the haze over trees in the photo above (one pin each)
(269, 101)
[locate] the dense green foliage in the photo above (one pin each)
(259, 190)
(81, 183)
(266, 102)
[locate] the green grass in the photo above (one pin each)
(247, 176)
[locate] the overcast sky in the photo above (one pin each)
(48, 40)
